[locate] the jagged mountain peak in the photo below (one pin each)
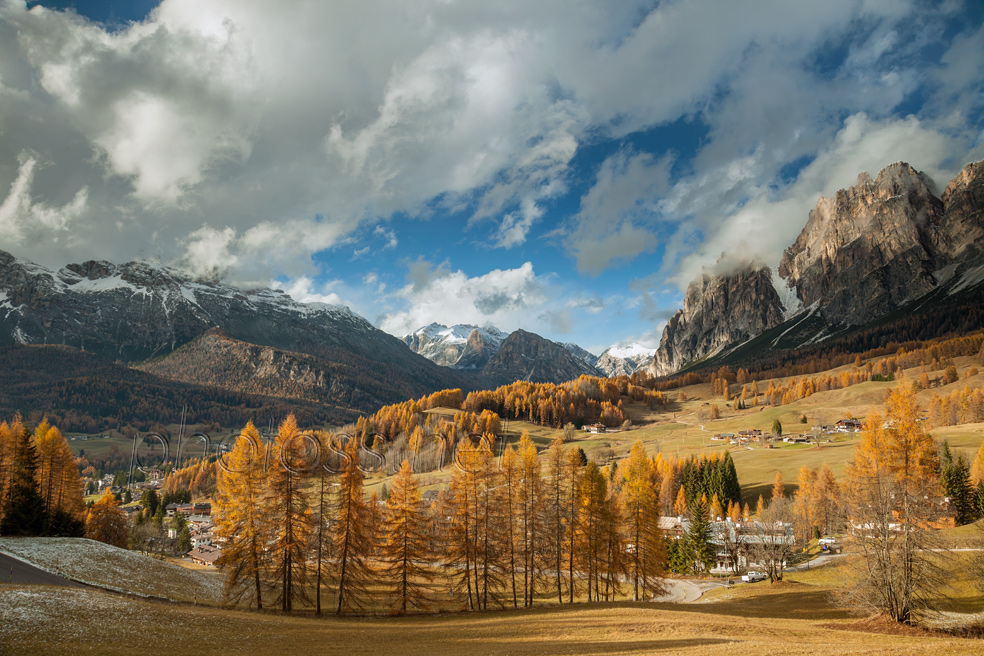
(718, 310)
(461, 346)
(863, 252)
(624, 358)
(868, 248)
(527, 356)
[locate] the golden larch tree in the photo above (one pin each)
(640, 505)
(353, 540)
(406, 544)
(240, 519)
(290, 512)
(532, 502)
(893, 499)
(106, 522)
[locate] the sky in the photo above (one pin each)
(561, 166)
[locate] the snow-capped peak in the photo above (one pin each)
(627, 350)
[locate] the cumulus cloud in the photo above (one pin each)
(506, 298)
(23, 219)
(243, 137)
(305, 290)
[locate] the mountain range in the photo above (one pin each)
(204, 332)
(885, 251)
(885, 245)
(476, 348)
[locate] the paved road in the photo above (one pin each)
(684, 592)
(17, 571)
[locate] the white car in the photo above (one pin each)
(752, 577)
(827, 540)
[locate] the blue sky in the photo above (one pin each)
(563, 167)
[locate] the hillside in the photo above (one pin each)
(684, 428)
(339, 380)
(137, 311)
(105, 566)
(81, 392)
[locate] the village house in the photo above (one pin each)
(848, 425)
(205, 555)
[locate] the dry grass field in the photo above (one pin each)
(788, 618)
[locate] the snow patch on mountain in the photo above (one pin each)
(624, 358)
(791, 303)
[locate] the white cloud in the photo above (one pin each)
(23, 219)
(305, 290)
(207, 252)
(387, 234)
(244, 135)
(506, 298)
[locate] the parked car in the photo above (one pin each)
(752, 577)
(827, 540)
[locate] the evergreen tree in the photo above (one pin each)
(24, 508)
(731, 488)
(696, 541)
(955, 481)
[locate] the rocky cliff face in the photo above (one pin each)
(869, 249)
(718, 310)
(962, 233)
(479, 348)
(863, 253)
(475, 349)
(526, 356)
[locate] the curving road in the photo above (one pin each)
(17, 571)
